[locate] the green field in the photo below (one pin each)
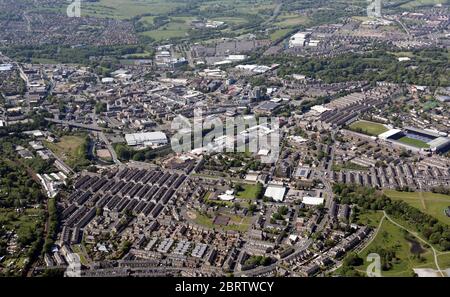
(249, 192)
(444, 260)
(70, 149)
(416, 3)
(126, 9)
(236, 223)
(237, 6)
(291, 20)
(390, 237)
(430, 203)
(369, 128)
(370, 218)
(171, 30)
(413, 142)
(277, 34)
(348, 165)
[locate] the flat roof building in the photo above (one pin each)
(276, 192)
(146, 139)
(313, 200)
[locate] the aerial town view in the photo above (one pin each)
(232, 138)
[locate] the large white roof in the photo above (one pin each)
(313, 200)
(389, 133)
(275, 192)
(145, 137)
(226, 197)
(438, 142)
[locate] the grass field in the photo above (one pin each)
(277, 34)
(126, 9)
(236, 223)
(69, 149)
(291, 20)
(393, 238)
(348, 165)
(177, 27)
(370, 218)
(416, 3)
(444, 260)
(238, 6)
(430, 203)
(369, 128)
(413, 142)
(249, 192)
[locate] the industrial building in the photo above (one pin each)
(146, 139)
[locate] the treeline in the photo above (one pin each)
(430, 228)
(52, 227)
(37, 122)
(441, 190)
(430, 67)
(17, 189)
(126, 153)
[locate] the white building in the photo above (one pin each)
(313, 200)
(298, 39)
(146, 139)
(276, 192)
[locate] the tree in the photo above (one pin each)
(353, 259)
(252, 208)
(3, 245)
(139, 156)
(435, 237)
(100, 107)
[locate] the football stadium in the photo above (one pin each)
(417, 139)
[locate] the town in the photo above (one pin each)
(344, 141)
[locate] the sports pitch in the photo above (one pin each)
(369, 128)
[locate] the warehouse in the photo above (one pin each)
(146, 139)
(276, 192)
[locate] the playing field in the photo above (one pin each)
(413, 142)
(369, 128)
(235, 223)
(430, 203)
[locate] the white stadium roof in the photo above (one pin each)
(389, 133)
